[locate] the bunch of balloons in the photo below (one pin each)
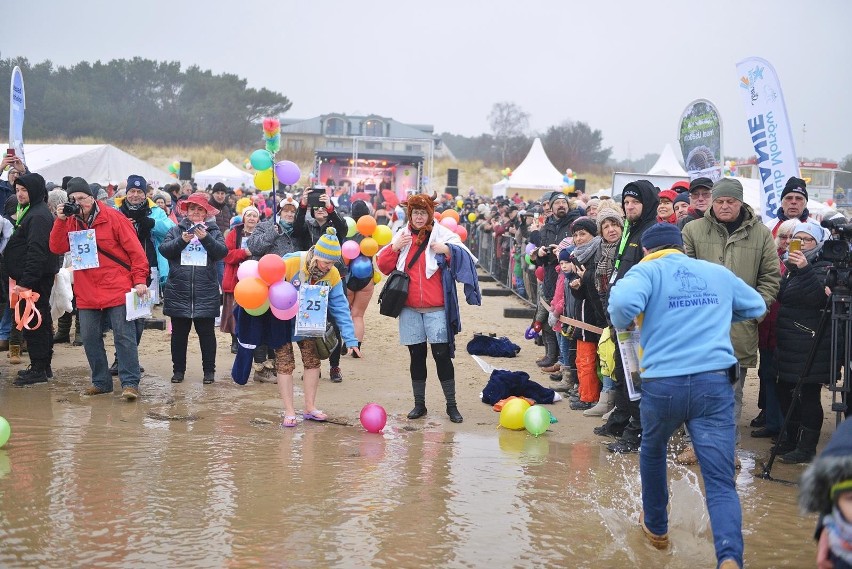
(506, 172)
(568, 180)
(263, 160)
(730, 168)
(261, 286)
(518, 414)
(450, 219)
(174, 169)
(359, 256)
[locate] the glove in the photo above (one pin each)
(146, 223)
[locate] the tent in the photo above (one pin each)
(101, 163)
(668, 164)
(224, 172)
(533, 177)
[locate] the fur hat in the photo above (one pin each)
(832, 466)
(661, 234)
(421, 201)
(328, 247)
(795, 185)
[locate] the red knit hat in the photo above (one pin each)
(668, 194)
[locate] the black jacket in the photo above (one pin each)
(27, 257)
(632, 252)
(553, 232)
(190, 291)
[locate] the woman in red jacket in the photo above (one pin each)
(238, 251)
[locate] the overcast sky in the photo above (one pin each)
(627, 68)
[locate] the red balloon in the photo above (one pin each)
(539, 273)
(437, 216)
(461, 232)
(271, 268)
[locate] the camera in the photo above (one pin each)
(71, 208)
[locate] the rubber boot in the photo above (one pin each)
(805, 450)
(605, 403)
(418, 386)
(565, 384)
(235, 345)
(14, 354)
(449, 387)
(63, 329)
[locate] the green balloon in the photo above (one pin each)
(259, 310)
(353, 227)
(5, 431)
(527, 259)
(536, 420)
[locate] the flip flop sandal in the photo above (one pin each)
(289, 421)
(315, 415)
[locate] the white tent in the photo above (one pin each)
(101, 163)
(668, 164)
(224, 172)
(534, 176)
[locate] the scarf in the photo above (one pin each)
(286, 226)
(839, 535)
(421, 234)
(603, 270)
(585, 252)
(314, 271)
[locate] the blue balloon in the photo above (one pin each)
(361, 267)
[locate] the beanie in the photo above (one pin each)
(631, 190)
(796, 185)
(585, 223)
(328, 247)
(249, 209)
(219, 187)
(605, 213)
(557, 196)
(680, 187)
(661, 234)
(135, 181)
(700, 183)
(814, 230)
(565, 254)
(668, 195)
(728, 188)
(682, 197)
(78, 186)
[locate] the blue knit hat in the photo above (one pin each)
(661, 234)
(328, 247)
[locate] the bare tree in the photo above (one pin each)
(507, 121)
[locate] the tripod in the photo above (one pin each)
(838, 310)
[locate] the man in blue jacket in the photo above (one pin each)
(684, 308)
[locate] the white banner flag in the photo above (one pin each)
(769, 129)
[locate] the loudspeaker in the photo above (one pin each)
(579, 185)
(453, 191)
(452, 177)
(185, 172)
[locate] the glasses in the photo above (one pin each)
(700, 194)
(806, 239)
(420, 212)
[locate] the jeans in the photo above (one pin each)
(564, 349)
(768, 375)
(705, 402)
(124, 337)
(6, 322)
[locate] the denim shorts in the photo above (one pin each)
(418, 327)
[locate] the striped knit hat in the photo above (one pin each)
(328, 247)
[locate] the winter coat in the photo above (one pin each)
(223, 218)
(27, 257)
(553, 232)
(588, 307)
(235, 257)
(150, 232)
(191, 291)
(104, 286)
(270, 238)
(802, 299)
(631, 253)
(750, 254)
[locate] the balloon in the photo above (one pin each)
(539, 273)
(461, 232)
(176, 165)
(536, 420)
(512, 414)
(459, 204)
(287, 172)
(449, 223)
(261, 159)
(437, 216)
(537, 326)
(361, 267)
(369, 247)
(5, 431)
(248, 270)
(373, 417)
(263, 180)
(377, 277)
(282, 295)
(366, 225)
(383, 235)
(527, 259)
(350, 249)
(251, 293)
(350, 223)
(531, 334)
(172, 168)
(287, 314)
(530, 248)
(450, 213)
(471, 217)
(259, 310)
(271, 268)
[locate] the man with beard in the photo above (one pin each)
(557, 228)
(639, 201)
(699, 200)
(794, 202)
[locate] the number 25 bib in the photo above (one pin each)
(313, 310)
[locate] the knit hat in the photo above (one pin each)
(668, 195)
(681, 197)
(249, 209)
(605, 213)
(631, 190)
(135, 181)
(661, 234)
(700, 183)
(78, 186)
(288, 201)
(565, 254)
(219, 187)
(728, 188)
(814, 230)
(328, 247)
(680, 187)
(796, 185)
(557, 196)
(585, 223)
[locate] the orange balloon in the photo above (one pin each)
(271, 268)
(369, 247)
(450, 213)
(251, 293)
(366, 225)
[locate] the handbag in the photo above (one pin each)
(395, 292)
(326, 343)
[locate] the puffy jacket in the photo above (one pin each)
(104, 286)
(191, 291)
(235, 257)
(750, 254)
(422, 292)
(27, 257)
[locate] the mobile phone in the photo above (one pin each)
(795, 245)
(314, 197)
(10, 152)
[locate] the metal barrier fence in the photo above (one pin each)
(503, 259)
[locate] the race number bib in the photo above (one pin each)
(194, 254)
(313, 310)
(84, 249)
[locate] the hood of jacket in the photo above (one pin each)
(35, 186)
(648, 196)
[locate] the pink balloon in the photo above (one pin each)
(288, 314)
(282, 295)
(350, 249)
(449, 223)
(248, 270)
(373, 417)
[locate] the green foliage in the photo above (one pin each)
(141, 100)
(575, 145)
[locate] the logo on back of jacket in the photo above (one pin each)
(693, 290)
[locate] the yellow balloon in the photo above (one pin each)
(263, 180)
(460, 204)
(377, 277)
(382, 235)
(512, 414)
(471, 217)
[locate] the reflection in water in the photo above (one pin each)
(97, 483)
